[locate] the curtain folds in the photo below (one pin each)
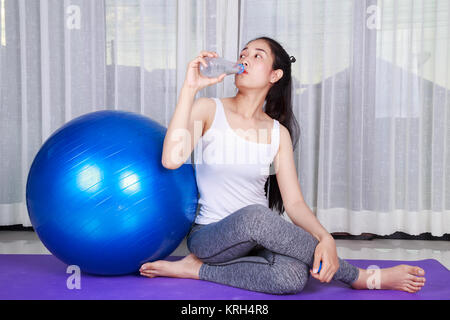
(371, 91)
(372, 96)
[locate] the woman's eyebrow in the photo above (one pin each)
(258, 49)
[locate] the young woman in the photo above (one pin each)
(238, 239)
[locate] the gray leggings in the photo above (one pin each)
(256, 249)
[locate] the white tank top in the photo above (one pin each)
(230, 170)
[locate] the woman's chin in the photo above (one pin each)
(240, 84)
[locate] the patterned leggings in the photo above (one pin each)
(256, 249)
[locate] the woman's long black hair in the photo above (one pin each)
(279, 107)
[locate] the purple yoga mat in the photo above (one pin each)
(44, 277)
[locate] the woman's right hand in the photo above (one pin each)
(194, 79)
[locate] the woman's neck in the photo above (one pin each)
(249, 106)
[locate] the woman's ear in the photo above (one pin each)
(276, 75)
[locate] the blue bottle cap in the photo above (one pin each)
(242, 68)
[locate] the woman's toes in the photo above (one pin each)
(420, 280)
(419, 284)
(148, 275)
(418, 271)
(146, 266)
(415, 283)
(417, 280)
(146, 272)
(411, 289)
(415, 288)
(150, 269)
(143, 267)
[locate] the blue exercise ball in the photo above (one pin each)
(98, 196)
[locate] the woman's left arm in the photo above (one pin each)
(298, 211)
(325, 251)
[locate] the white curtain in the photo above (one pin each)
(371, 91)
(61, 59)
(372, 97)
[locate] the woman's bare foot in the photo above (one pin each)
(188, 267)
(402, 277)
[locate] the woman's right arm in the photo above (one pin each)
(186, 125)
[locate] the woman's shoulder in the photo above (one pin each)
(285, 136)
(206, 106)
(205, 101)
(283, 130)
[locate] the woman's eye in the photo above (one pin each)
(255, 55)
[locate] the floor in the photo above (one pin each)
(27, 242)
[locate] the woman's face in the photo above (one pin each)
(257, 59)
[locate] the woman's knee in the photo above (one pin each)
(290, 278)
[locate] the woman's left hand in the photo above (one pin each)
(325, 252)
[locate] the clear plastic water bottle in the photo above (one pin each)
(217, 66)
